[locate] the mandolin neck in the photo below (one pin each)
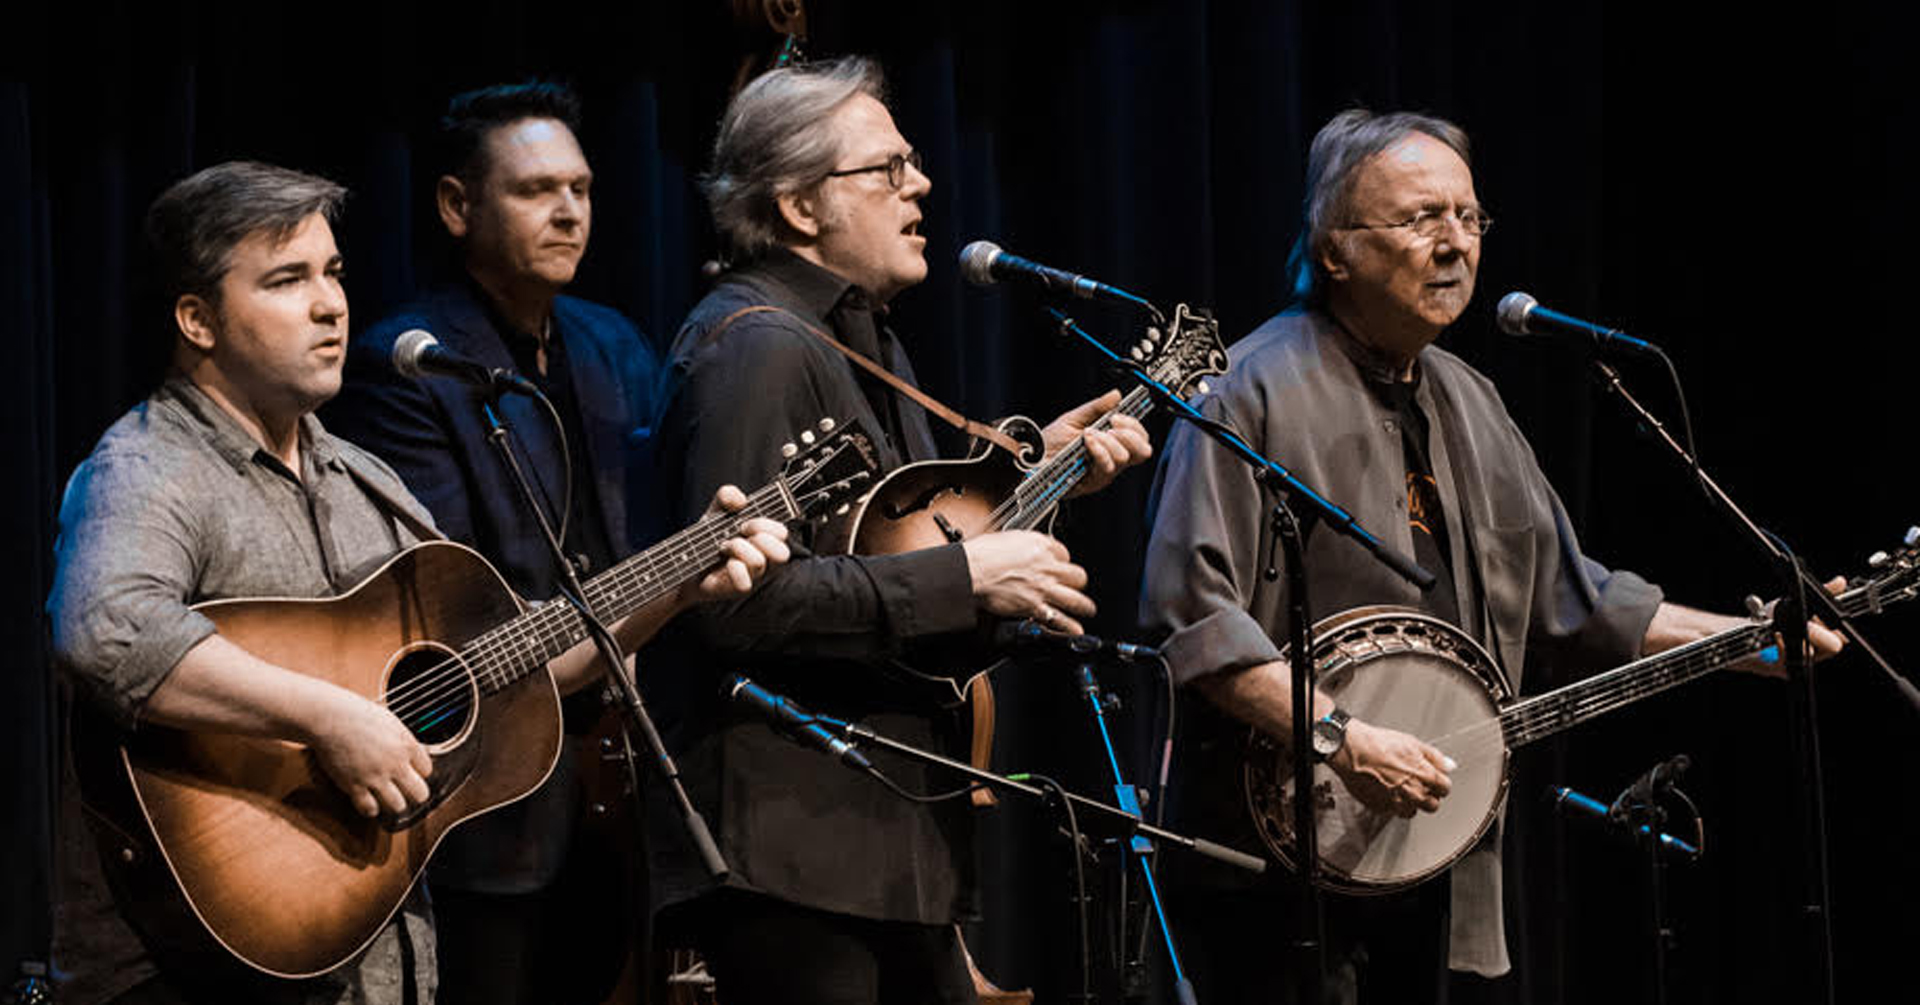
(1050, 481)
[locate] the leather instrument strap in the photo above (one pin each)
(951, 417)
(980, 689)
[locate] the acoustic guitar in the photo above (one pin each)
(1399, 668)
(268, 854)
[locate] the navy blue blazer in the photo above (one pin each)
(433, 433)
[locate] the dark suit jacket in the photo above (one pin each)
(433, 432)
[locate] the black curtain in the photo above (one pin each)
(1732, 188)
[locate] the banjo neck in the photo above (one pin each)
(1544, 715)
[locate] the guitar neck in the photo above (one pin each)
(1042, 490)
(512, 650)
(1539, 717)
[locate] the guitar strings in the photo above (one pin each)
(498, 656)
(501, 656)
(495, 652)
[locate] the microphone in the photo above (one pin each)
(983, 263)
(1520, 314)
(1025, 636)
(1658, 779)
(417, 354)
(1571, 803)
(795, 722)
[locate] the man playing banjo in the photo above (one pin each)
(1348, 389)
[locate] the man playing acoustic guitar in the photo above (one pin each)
(222, 484)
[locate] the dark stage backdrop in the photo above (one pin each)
(1731, 188)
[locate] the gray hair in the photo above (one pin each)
(1345, 143)
(196, 223)
(773, 141)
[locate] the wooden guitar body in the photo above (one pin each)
(267, 851)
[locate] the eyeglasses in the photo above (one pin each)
(1431, 224)
(895, 166)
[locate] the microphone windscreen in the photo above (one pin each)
(408, 348)
(1513, 312)
(976, 262)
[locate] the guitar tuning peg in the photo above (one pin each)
(787, 450)
(1878, 559)
(826, 425)
(1912, 537)
(807, 437)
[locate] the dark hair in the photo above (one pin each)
(1346, 142)
(195, 224)
(773, 140)
(462, 133)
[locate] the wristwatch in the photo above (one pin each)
(1329, 733)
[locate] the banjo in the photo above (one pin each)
(1402, 669)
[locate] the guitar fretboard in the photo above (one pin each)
(510, 651)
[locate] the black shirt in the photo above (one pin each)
(825, 630)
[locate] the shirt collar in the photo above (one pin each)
(230, 439)
(818, 290)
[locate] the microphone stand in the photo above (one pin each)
(636, 718)
(1139, 848)
(1125, 822)
(1638, 816)
(1291, 534)
(1801, 591)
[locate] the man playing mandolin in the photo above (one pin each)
(222, 484)
(840, 890)
(1348, 389)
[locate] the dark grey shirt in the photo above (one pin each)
(176, 505)
(1296, 392)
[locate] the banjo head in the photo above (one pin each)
(1404, 670)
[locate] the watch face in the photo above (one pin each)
(1327, 738)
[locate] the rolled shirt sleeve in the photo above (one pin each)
(119, 607)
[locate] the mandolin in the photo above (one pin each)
(932, 503)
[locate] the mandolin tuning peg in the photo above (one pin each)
(787, 450)
(826, 425)
(1756, 608)
(1153, 334)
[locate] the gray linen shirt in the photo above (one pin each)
(1297, 395)
(176, 505)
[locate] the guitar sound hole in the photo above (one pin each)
(430, 690)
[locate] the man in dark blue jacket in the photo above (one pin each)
(530, 896)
